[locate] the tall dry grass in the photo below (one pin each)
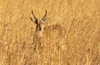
(71, 37)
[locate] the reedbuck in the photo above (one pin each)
(40, 27)
(39, 23)
(49, 33)
(37, 39)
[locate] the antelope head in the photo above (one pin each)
(39, 23)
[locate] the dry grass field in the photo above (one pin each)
(71, 35)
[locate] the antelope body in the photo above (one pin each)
(49, 33)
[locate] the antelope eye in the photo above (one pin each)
(40, 29)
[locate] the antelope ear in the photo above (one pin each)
(32, 20)
(43, 21)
